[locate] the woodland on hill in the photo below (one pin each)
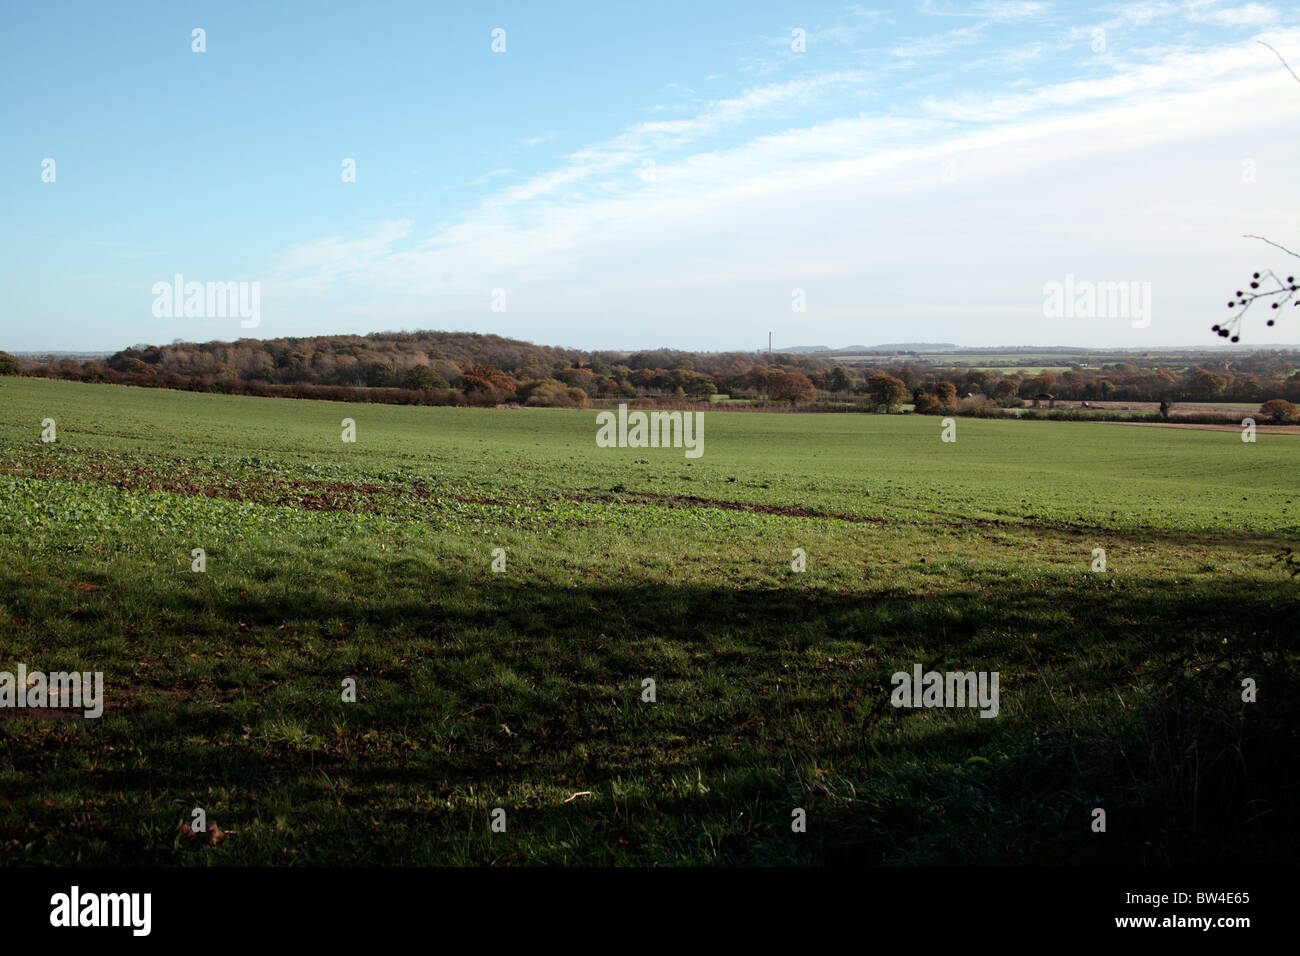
(463, 368)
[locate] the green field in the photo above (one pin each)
(1023, 369)
(518, 690)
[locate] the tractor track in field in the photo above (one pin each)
(658, 499)
(194, 478)
(180, 476)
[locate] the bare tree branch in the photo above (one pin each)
(1280, 57)
(1272, 243)
(1243, 300)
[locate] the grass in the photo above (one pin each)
(520, 689)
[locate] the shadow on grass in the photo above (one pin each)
(488, 692)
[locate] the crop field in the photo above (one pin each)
(564, 653)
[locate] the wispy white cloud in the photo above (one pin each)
(1005, 11)
(1249, 15)
(341, 257)
(721, 230)
(650, 139)
(939, 44)
(490, 175)
(1176, 70)
(1140, 14)
(1143, 13)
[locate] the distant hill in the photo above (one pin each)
(420, 360)
(859, 349)
(53, 353)
(913, 347)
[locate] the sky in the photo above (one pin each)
(626, 176)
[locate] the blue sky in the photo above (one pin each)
(637, 176)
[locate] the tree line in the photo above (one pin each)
(461, 368)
